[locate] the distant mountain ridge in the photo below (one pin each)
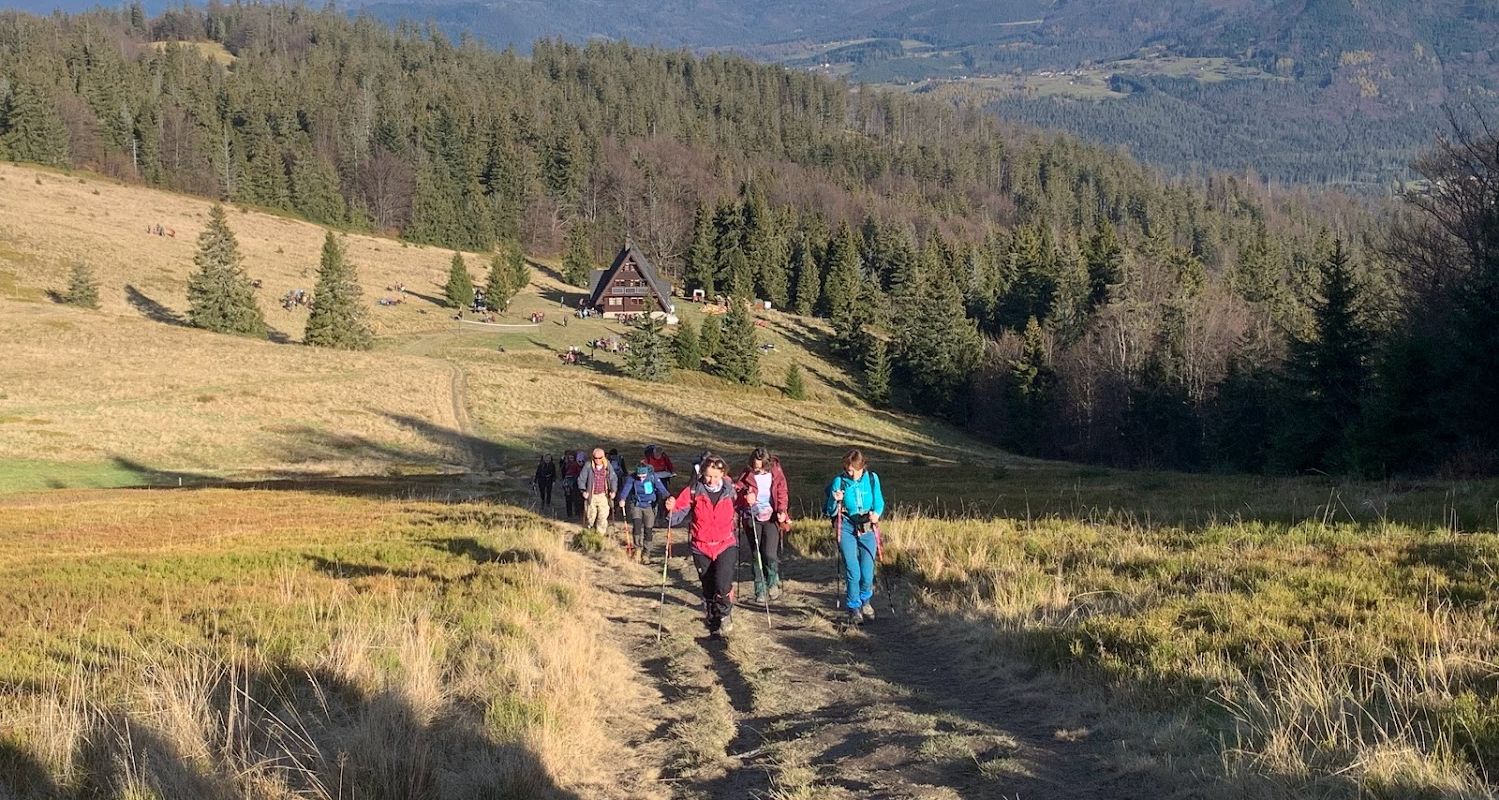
(1317, 91)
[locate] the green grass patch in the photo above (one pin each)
(25, 475)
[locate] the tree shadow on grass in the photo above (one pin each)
(310, 729)
(440, 302)
(23, 774)
(151, 309)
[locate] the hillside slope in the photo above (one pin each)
(128, 394)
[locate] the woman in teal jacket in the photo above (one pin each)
(856, 503)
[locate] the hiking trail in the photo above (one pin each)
(892, 709)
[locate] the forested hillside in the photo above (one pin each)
(1120, 304)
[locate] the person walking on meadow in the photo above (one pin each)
(856, 502)
(571, 468)
(764, 499)
(660, 464)
(710, 502)
(638, 499)
(545, 479)
(599, 485)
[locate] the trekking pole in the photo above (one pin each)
(760, 565)
(665, 560)
(879, 550)
(838, 557)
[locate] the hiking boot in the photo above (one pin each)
(854, 618)
(726, 626)
(776, 592)
(867, 612)
(760, 598)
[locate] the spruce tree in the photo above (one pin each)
(83, 289)
(808, 279)
(460, 287)
(738, 357)
(30, 127)
(577, 262)
(741, 281)
(1328, 370)
(937, 347)
(497, 284)
(1031, 382)
(314, 190)
(434, 208)
(796, 388)
(711, 339)
(1104, 257)
(219, 295)
(265, 182)
(774, 272)
(650, 356)
(701, 266)
(875, 374)
(840, 284)
(685, 346)
(507, 275)
(520, 271)
(849, 336)
(728, 239)
(338, 319)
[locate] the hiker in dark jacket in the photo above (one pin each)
(638, 499)
(856, 503)
(546, 478)
(572, 499)
(763, 502)
(599, 485)
(711, 504)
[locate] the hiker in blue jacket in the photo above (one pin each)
(642, 491)
(856, 503)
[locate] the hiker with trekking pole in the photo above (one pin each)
(764, 498)
(637, 503)
(544, 479)
(709, 501)
(855, 502)
(599, 485)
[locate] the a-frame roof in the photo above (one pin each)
(631, 254)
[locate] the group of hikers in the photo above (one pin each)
(729, 521)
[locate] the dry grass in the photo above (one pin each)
(48, 220)
(284, 645)
(119, 396)
(81, 389)
(1327, 660)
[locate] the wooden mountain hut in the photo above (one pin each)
(631, 286)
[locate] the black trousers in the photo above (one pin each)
(717, 575)
(545, 490)
(572, 499)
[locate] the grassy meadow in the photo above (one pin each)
(266, 644)
(129, 396)
(402, 637)
(1273, 643)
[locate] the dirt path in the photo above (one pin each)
(888, 710)
(477, 453)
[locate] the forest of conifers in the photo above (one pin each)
(1056, 297)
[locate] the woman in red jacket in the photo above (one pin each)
(763, 497)
(711, 503)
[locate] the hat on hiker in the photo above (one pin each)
(642, 470)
